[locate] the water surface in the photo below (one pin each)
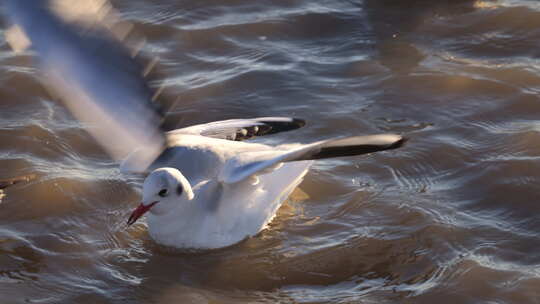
(452, 217)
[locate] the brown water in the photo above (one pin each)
(450, 218)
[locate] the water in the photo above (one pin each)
(450, 218)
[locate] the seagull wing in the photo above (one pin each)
(96, 78)
(248, 164)
(242, 129)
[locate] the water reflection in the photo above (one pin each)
(451, 219)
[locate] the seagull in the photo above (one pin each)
(206, 187)
(210, 192)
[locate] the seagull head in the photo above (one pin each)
(163, 190)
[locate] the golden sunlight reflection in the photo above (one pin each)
(299, 195)
(486, 4)
(92, 13)
(16, 38)
(86, 11)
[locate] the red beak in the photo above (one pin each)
(137, 213)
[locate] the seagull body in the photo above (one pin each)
(206, 187)
(212, 213)
(211, 192)
(220, 215)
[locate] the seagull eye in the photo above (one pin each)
(179, 190)
(163, 192)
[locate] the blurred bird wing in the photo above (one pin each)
(97, 79)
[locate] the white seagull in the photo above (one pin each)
(206, 188)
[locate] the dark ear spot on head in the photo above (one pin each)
(179, 190)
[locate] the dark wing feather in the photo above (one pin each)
(349, 147)
(242, 129)
(252, 163)
(4, 183)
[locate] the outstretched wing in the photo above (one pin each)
(242, 129)
(252, 163)
(97, 79)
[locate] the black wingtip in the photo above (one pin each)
(298, 122)
(336, 148)
(398, 144)
(282, 126)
